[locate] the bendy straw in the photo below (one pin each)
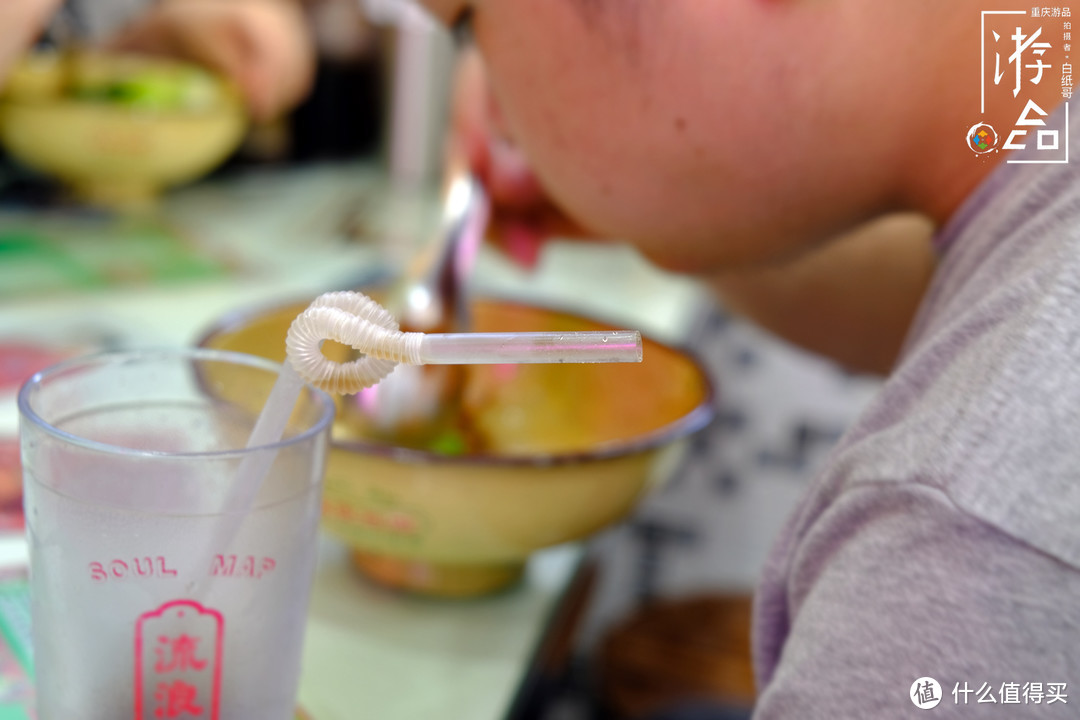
(354, 319)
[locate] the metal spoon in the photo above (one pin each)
(415, 405)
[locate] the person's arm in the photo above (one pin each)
(851, 300)
(264, 46)
(894, 583)
(20, 22)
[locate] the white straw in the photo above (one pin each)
(539, 347)
(353, 319)
(254, 467)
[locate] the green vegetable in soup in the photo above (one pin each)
(151, 88)
(449, 442)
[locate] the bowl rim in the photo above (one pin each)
(688, 424)
(228, 104)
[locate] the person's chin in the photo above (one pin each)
(677, 262)
(670, 258)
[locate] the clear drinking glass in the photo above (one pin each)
(154, 595)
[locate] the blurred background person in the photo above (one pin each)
(263, 46)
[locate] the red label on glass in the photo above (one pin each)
(178, 651)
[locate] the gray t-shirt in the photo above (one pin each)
(943, 538)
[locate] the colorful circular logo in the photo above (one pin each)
(982, 138)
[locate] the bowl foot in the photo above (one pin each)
(129, 197)
(436, 579)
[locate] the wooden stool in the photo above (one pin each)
(675, 650)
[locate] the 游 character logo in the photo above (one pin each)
(1021, 57)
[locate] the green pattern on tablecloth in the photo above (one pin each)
(47, 254)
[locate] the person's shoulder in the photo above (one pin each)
(985, 403)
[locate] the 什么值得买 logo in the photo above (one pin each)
(925, 693)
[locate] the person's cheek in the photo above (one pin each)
(565, 87)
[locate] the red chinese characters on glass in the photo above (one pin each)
(177, 699)
(178, 650)
(177, 653)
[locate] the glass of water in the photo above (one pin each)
(154, 594)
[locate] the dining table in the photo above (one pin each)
(76, 279)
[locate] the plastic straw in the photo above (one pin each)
(254, 466)
(269, 427)
(534, 347)
(352, 318)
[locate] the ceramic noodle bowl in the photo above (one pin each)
(556, 453)
(118, 129)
